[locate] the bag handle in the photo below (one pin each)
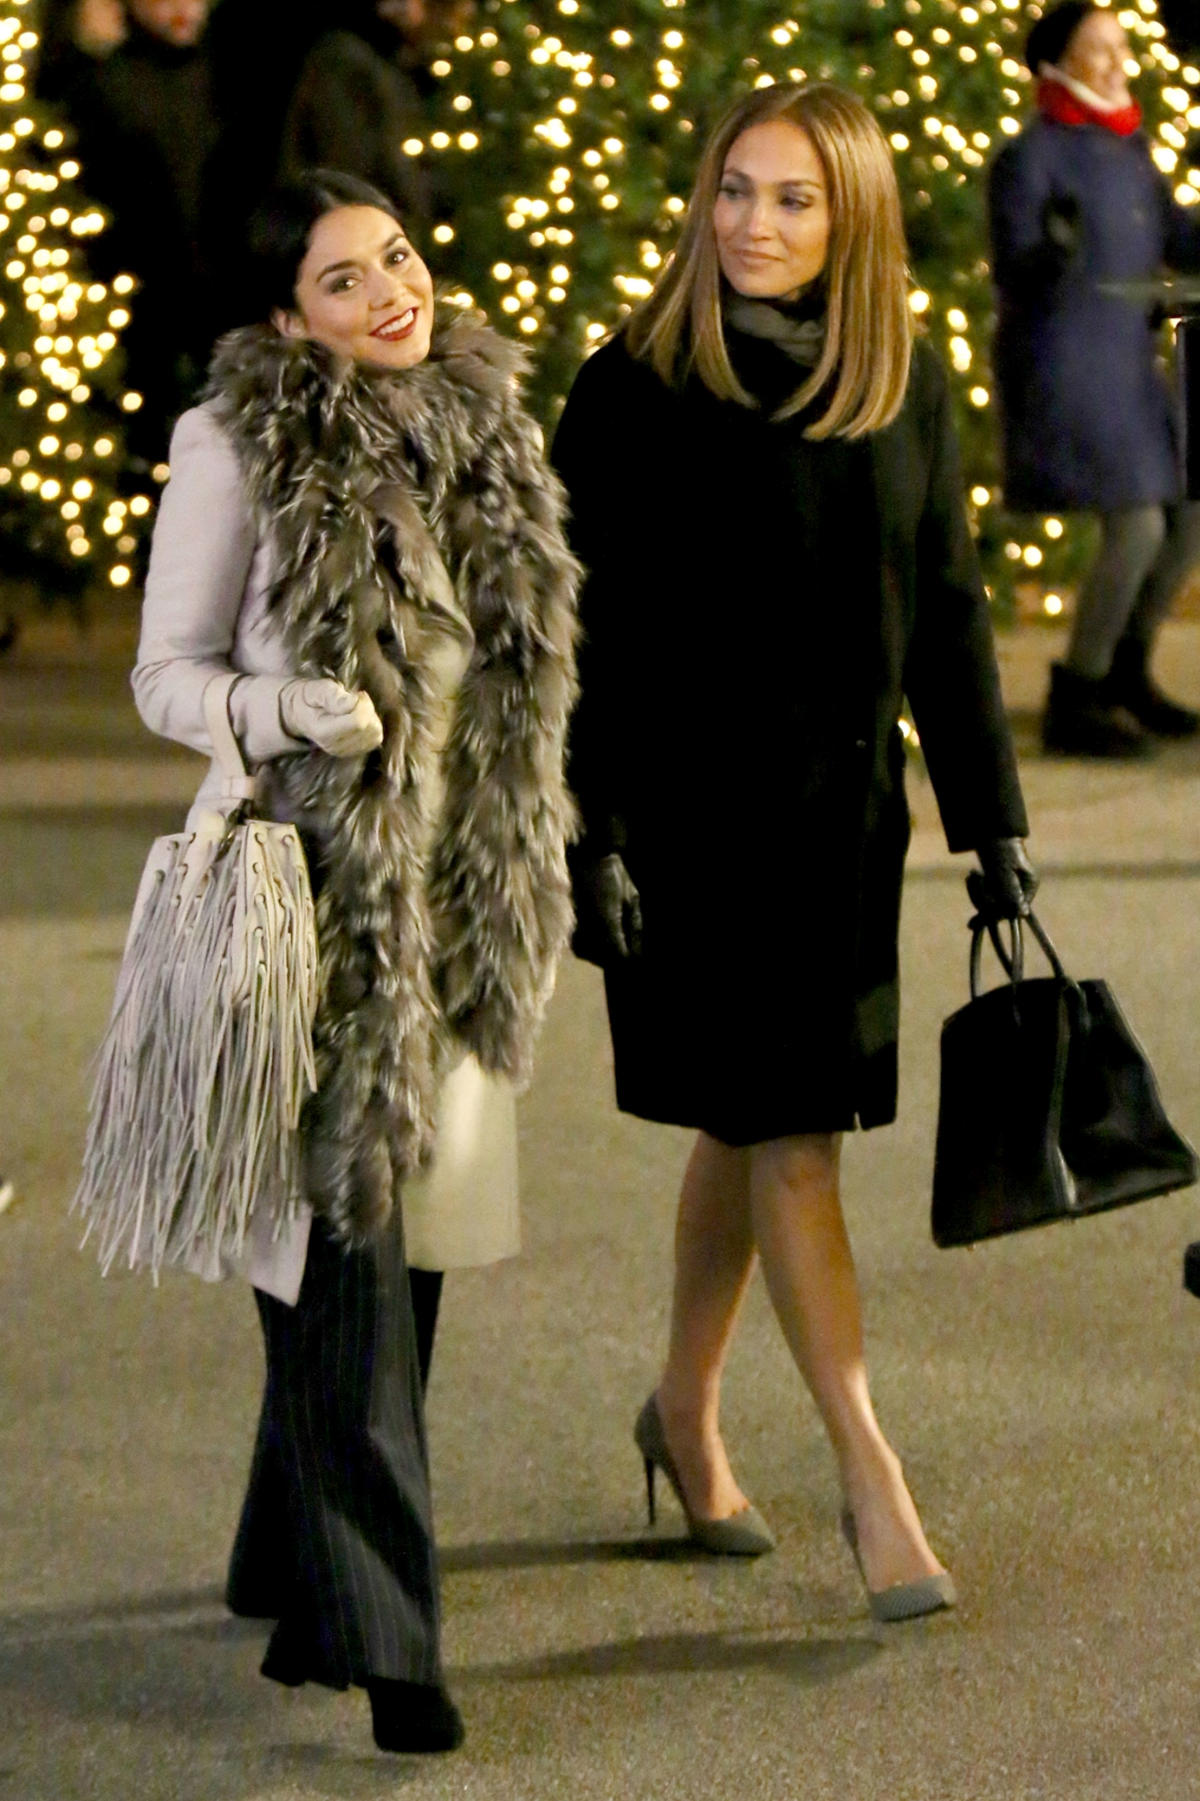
(238, 785)
(1013, 959)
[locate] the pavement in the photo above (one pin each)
(1043, 1390)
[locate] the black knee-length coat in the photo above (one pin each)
(756, 608)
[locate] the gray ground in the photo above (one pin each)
(1043, 1392)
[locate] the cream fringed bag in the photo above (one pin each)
(208, 1055)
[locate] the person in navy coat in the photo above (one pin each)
(1077, 210)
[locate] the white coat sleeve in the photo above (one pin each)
(203, 547)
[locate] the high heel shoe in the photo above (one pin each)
(744, 1534)
(903, 1600)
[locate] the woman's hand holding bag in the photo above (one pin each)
(1004, 885)
(341, 722)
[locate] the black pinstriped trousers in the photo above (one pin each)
(336, 1536)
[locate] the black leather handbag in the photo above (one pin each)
(1049, 1108)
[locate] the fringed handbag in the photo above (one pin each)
(208, 1056)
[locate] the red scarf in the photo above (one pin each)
(1058, 103)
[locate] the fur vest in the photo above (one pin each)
(388, 497)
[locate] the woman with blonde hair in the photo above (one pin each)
(766, 497)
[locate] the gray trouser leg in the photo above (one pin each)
(1132, 542)
(1179, 556)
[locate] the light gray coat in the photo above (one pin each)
(325, 518)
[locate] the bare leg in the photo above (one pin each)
(801, 1236)
(714, 1261)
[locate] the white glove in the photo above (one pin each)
(331, 717)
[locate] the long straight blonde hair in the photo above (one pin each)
(868, 336)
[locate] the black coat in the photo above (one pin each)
(757, 606)
(148, 132)
(353, 110)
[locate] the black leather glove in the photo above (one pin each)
(609, 912)
(1004, 885)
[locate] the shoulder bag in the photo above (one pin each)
(208, 1056)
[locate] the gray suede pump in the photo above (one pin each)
(744, 1534)
(903, 1600)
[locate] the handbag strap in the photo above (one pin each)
(238, 785)
(1012, 959)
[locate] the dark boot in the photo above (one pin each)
(1082, 721)
(413, 1716)
(1130, 686)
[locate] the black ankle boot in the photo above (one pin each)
(413, 1716)
(1081, 719)
(1129, 686)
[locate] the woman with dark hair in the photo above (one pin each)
(1078, 212)
(766, 497)
(360, 522)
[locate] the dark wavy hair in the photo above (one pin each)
(281, 226)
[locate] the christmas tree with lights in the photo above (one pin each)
(70, 516)
(570, 131)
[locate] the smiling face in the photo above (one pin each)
(771, 216)
(1097, 54)
(362, 290)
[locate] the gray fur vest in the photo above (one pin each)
(387, 495)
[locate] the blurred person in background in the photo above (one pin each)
(75, 35)
(255, 67)
(1089, 423)
(148, 132)
(365, 89)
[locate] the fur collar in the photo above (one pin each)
(398, 505)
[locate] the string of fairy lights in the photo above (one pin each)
(54, 454)
(605, 154)
(579, 136)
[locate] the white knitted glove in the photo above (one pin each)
(331, 717)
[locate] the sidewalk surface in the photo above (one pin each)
(1044, 1391)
